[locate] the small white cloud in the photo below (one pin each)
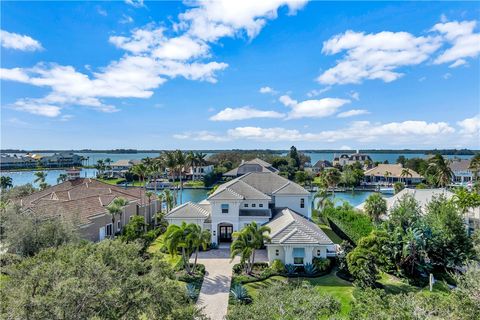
(312, 108)
(33, 107)
(317, 92)
(10, 40)
(200, 136)
(66, 117)
(267, 90)
(458, 63)
(125, 19)
(232, 114)
(287, 101)
(351, 113)
(421, 79)
(354, 95)
(345, 148)
(447, 76)
(470, 126)
(101, 11)
(135, 3)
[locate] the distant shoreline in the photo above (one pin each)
(371, 151)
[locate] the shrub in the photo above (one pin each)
(240, 294)
(238, 268)
(351, 223)
(290, 268)
(310, 269)
(192, 292)
(322, 264)
(213, 245)
(7, 259)
(278, 266)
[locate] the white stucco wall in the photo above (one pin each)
(293, 202)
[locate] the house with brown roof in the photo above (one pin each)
(391, 173)
(265, 198)
(462, 174)
(84, 201)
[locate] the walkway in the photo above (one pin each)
(215, 289)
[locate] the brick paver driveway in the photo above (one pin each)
(216, 284)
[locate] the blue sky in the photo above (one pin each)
(209, 75)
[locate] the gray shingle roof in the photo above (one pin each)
(460, 165)
(270, 183)
(289, 227)
(190, 210)
(255, 165)
(237, 189)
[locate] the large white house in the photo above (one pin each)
(266, 198)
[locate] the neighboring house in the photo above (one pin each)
(17, 162)
(423, 197)
(255, 165)
(352, 158)
(84, 202)
(259, 197)
(62, 159)
(391, 173)
(120, 167)
(198, 172)
(462, 174)
(319, 166)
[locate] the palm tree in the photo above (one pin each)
(386, 174)
(62, 178)
(191, 161)
(100, 166)
(180, 162)
(259, 235)
(169, 201)
(40, 177)
(332, 177)
(198, 238)
(475, 165)
(375, 206)
(320, 196)
(176, 238)
(170, 163)
(442, 173)
(405, 173)
(149, 195)
(141, 171)
(465, 200)
(116, 207)
(6, 182)
(242, 246)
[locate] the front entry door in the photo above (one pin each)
(226, 233)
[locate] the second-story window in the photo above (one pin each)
(253, 205)
(302, 203)
(246, 205)
(260, 205)
(224, 208)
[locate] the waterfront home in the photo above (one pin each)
(61, 160)
(352, 158)
(391, 173)
(255, 165)
(84, 202)
(266, 198)
(198, 172)
(319, 166)
(423, 197)
(462, 174)
(57, 160)
(120, 167)
(8, 162)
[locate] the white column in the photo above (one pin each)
(214, 232)
(308, 255)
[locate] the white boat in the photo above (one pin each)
(387, 190)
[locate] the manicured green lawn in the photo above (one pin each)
(331, 284)
(119, 180)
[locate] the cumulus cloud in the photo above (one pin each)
(351, 113)
(471, 126)
(232, 114)
(267, 90)
(393, 133)
(465, 43)
(151, 58)
(375, 55)
(10, 40)
(312, 108)
(382, 55)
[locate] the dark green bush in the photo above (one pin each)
(322, 264)
(353, 224)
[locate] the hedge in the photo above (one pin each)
(348, 223)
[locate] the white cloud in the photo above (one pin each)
(317, 92)
(312, 108)
(102, 11)
(458, 63)
(351, 113)
(135, 3)
(354, 95)
(394, 133)
(375, 56)
(421, 79)
(345, 148)
(231, 114)
(447, 76)
(471, 126)
(465, 43)
(152, 57)
(267, 90)
(125, 19)
(20, 42)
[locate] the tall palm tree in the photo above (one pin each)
(62, 177)
(191, 161)
(170, 163)
(180, 162)
(375, 206)
(259, 235)
(242, 246)
(405, 173)
(40, 177)
(198, 238)
(100, 166)
(176, 239)
(141, 171)
(332, 177)
(475, 165)
(169, 200)
(387, 174)
(116, 208)
(320, 197)
(439, 167)
(6, 182)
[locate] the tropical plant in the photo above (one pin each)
(116, 208)
(405, 173)
(197, 238)
(375, 206)
(466, 200)
(277, 266)
(440, 171)
(192, 291)
(353, 224)
(6, 182)
(398, 186)
(134, 229)
(332, 177)
(252, 237)
(290, 268)
(40, 177)
(169, 200)
(320, 198)
(178, 238)
(43, 185)
(321, 264)
(240, 293)
(62, 177)
(310, 269)
(100, 166)
(475, 165)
